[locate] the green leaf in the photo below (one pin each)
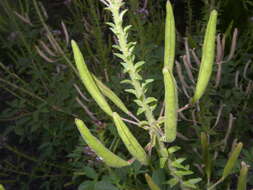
(173, 149)
(87, 185)
(105, 185)
(187, 184)
(90, 172)
(172, 182)
(194, 180)
(183, 173)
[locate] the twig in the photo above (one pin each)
(89, 113)
(80, 93)
(233, 46)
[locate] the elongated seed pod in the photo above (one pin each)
(205, 154)
(171, 106)
(108, 157)
(207, 59)
(151, 183)
(2, 187)
(130, 141)
(111, 95)
(88, 81)
(242, 181)
(170, 38)
(232, 160)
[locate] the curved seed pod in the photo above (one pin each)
(111, 95)
(108, 157)
(232, 160)
(242, 181)
(130, 141)
(151, 183)
(170, 37)
(207, 59)
(88, 80)
(171, 106)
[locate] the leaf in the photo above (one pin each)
(172, 182)
(132, 91)
(173, 149)
(105, 185)
(90, 172)
(87, 185)
(177, 163)
(140, 111)
(194, 180)
(139, 64)
(183, 173)
(150, 100)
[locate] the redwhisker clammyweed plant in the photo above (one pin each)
(163, 130)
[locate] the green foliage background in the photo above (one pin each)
(39, 146)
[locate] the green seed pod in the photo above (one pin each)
(207, 59)
(2, 187)
(151, 183)
(170, 38)
(232, 160)
(242, 181)
(130, 141)
(206, 155)
(88, 81)
(108, 157)
(171, 106)
(111, 95)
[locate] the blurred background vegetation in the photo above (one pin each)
(40, 93)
